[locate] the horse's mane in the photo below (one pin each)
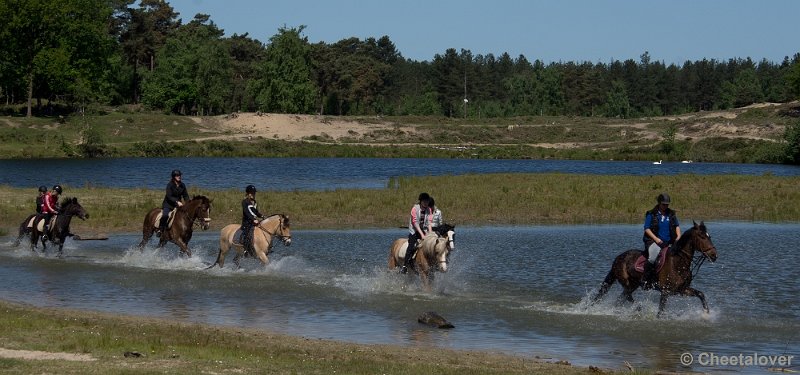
(66, 202)
(203, 198)
(687, 236)
(285, 218)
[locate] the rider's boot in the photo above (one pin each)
(409, 255)
(647, 278)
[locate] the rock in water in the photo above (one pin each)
(435, 320)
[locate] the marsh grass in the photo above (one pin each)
(175, 347)
(474, 200)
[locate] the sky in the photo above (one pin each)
(671, 31)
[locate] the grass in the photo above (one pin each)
(473, 200)
(182, 348)
(131, 132)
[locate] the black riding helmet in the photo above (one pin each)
(250, 189)
(176, 172)
(43, 189)
(663, 198)
(57, 189)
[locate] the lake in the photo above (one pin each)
(288, 174)
(518, 290)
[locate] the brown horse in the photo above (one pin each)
(276, 225)
(435, 250)
(59, 230)
(675, 277)
(197, 211)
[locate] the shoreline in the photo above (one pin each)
(42, 353)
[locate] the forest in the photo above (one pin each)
(66, 56)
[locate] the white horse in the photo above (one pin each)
(434, 249)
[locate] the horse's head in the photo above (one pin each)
(449, 232)
(701, 241)
(279, 228)
(71, 207)
(199, 208)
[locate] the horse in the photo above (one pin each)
(197, 211)
(276, 225)
(58, 231)
(435, 250)
(674, 277)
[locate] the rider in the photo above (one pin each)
(661, 229)
(419, 224)
(50, 207)
(40, 199)
(176, 191)
(437, 219)
(250, 216)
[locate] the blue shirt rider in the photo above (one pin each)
(661, 229)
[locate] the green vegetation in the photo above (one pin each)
(475, 200)
(182, 348)
(84, 52)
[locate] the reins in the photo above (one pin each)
(696, 260)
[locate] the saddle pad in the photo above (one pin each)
(662, 256)
(157, 219)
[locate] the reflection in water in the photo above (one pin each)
(521, 290)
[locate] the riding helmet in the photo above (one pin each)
(424, 197)
(663, 198)
(176, 172)
(250, 189)
(43, 189)
(57, 189)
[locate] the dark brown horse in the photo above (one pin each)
(675, 277)
(58, 231)
(197, 211)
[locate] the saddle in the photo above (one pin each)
(640, 261)
(157, 219)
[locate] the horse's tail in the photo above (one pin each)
(607, 283)
(219, 256)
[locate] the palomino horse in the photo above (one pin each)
(276, 225)
(674, 277)
(59, 230)
(435, 250)
(196, 211)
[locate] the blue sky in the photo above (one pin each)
(672, 31)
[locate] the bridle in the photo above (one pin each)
(696, 260)
(284, 238)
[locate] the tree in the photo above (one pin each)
(284, 82)
(147, 29)
(617, 104)
(193, 72)
(59, 46)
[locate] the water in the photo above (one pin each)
(288, 174)
(518, 290)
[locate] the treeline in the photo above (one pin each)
(75, 53)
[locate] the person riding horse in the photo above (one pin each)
(40, 199)
(49, 208)
(661, 229)
(250, 218)
(175, 191)
(436, 220)
(419, 225)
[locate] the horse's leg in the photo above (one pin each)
(607, 283)
(146, 234)
(689, 292)
(184, 247)
(262, 256)
(662, 303)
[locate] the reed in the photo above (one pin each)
(473, 200)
